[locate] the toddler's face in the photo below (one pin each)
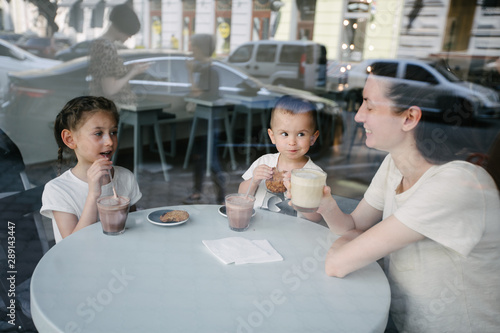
(293, 134)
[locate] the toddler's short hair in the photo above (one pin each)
(295, 105)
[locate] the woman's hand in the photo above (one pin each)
(139, 68)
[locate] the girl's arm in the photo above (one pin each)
(69, 223)
(356, 248)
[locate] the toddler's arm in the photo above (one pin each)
(260, 173)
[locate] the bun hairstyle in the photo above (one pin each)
(125, 19)
(75, 113)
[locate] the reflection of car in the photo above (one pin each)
(297, 64)
(78, 50)
(10, 36)
(441, 85)
(37, 96)
(45, 47)
(14, 59)
(74, 51)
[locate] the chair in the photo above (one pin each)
(14, 180)
(22, 233)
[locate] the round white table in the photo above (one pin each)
(164, 279)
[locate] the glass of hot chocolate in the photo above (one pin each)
(113, 212)
(239, 209)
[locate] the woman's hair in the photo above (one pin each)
(295, 105)
(438, 139)
(125, 19)
(74, 114)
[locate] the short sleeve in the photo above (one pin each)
(375, 194)
(449, 207)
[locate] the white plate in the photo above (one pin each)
(222, 211)
(154, 217)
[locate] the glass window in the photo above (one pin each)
(291, 54)
(242, 54)
(266, 53)
(418, 73)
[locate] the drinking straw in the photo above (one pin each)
(112, 184)
(248, 189)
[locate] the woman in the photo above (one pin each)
(109, 76)
(435, 220)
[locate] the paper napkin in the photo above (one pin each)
(240, 250)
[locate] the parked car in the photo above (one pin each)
(10, 36)
(296, 64)
(442, 85)
(13, 59)
(37, 96)
(77, 50)
(45, 47)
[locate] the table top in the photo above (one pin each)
(208, 102)
(143, 106)
(163, 279)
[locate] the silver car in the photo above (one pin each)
(439, 82)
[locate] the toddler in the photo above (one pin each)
(293, 130)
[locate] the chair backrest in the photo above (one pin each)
(12, 169)
(17, 197)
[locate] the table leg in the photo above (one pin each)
(249, 134)
(191, 141)
(159, 143)
(118, 137)
(137, 148)
(230, 141)
(210, 141)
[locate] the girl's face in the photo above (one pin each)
(293, 134)
(96, 138)
(382, 126)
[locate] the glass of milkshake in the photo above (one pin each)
(307, 189)
(113, 212)
(239, 209)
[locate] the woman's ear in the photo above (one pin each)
(67, 138)
(412, 118)
(271, 135)
(314, 137)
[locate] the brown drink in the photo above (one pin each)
(239, 209)
(113, 213)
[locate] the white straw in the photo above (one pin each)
(112, 185)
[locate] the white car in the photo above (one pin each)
(14, 59)
(441, 85)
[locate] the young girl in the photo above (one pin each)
(86, 125)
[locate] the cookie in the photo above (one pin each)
(275, 184)
(174, 216)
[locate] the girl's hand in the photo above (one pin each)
(262, 172)
(95, 174)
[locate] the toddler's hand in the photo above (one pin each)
(262, 172)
